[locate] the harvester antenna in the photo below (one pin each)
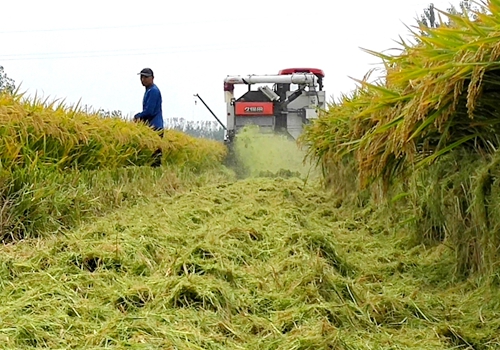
(220, 123)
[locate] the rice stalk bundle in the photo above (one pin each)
(437, 94)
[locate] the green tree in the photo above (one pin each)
(111, 114)
(198, 128)
(430, 17)
(6, 83)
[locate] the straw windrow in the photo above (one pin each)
(250, 264)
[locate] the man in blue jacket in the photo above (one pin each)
(151, 107)
(151, 103)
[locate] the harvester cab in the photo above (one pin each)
(295, 97)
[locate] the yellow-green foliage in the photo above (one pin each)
(35, 133)
(254, 264)
(262, 153)
(55, 159)
(439, 96)
(438, 93)
(195, 153)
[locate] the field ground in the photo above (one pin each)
(261, 263)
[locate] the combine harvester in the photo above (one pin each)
(277, 109)
(295, 97)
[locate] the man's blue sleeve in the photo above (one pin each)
(152, 99)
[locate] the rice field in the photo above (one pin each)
(436, 92)
(185, 256)
(39, 133)
(425, 131)
(59, 164)
(102, 251)
(262, 263)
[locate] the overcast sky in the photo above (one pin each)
(92, 50)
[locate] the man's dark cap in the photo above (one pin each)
(147, 72)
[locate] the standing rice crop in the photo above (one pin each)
(48, 150)
(39, 133)
(437, 94)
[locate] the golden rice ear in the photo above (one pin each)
(438, 92)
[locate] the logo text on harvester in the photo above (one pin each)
(255, 109)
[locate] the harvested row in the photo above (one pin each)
(252, 264)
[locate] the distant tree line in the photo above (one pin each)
(111, 114)
(430, 17)
(6, 83)
(209, 129)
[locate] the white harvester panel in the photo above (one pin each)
(302, 110)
